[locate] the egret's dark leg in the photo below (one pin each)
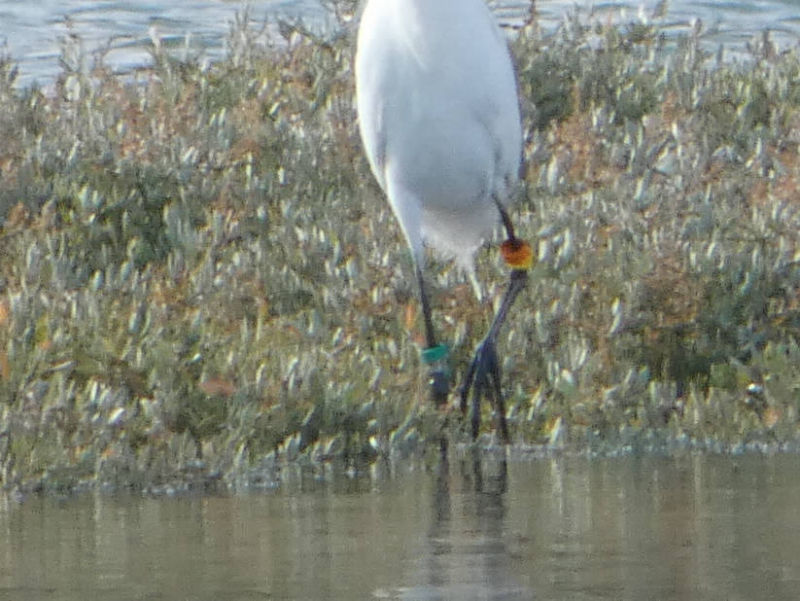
(484, 376)
(435, 355)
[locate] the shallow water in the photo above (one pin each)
(33, 31)
(698, 527)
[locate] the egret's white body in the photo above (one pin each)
(439, 117)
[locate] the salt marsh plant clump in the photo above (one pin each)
(200, 282)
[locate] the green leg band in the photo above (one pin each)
(436, 353)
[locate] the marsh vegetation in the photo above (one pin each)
(201, 283)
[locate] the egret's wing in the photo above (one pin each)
(373, 86)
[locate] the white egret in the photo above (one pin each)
(439, 119)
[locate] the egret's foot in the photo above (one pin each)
(483, 378)
(437, 358)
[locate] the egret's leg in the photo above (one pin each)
(435, 355)
(430, 335)
(483, 376)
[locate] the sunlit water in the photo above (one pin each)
(33, 30)
(711, 528)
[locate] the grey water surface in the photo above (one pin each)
(33, 32)
(694, 527)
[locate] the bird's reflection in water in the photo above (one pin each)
(468, 557)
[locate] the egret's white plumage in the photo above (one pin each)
(439, 117)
